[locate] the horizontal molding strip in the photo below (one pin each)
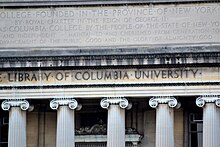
(142, 92)
(20, 3)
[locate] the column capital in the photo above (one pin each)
(171, 101)
(122, 102)
(202, 100)
(70, 102)
(7, 104)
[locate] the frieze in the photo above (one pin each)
(103, 76)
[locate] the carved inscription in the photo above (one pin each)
(109, 76)
(110, 26)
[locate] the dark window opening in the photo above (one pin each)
(90, 119)
(3, 129)
(195, 130)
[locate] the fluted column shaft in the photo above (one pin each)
(211, 120)
(164, 120)
(164, 126)
(116, 120)
(116, 127)
(17, 122)
(65, 136)
(65, 127)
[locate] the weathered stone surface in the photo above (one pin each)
(110, 26)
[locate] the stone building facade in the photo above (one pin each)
(109, 73)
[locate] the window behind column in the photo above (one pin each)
(195, 130)
(3, 129)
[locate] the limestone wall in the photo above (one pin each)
(41, 128)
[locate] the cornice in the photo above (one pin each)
(23, 3)
(111, 60)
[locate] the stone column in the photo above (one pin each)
(116, 120)
(65, 121)
(211, 120)
(17, 121)
(164, 120)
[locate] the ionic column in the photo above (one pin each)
(116, 120)
(164, 120)
(65, 136)
(17, 121)
(211, 120)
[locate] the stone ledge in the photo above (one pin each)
(136, 138)
(20, 3)
(110, 92)
(92, 51)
